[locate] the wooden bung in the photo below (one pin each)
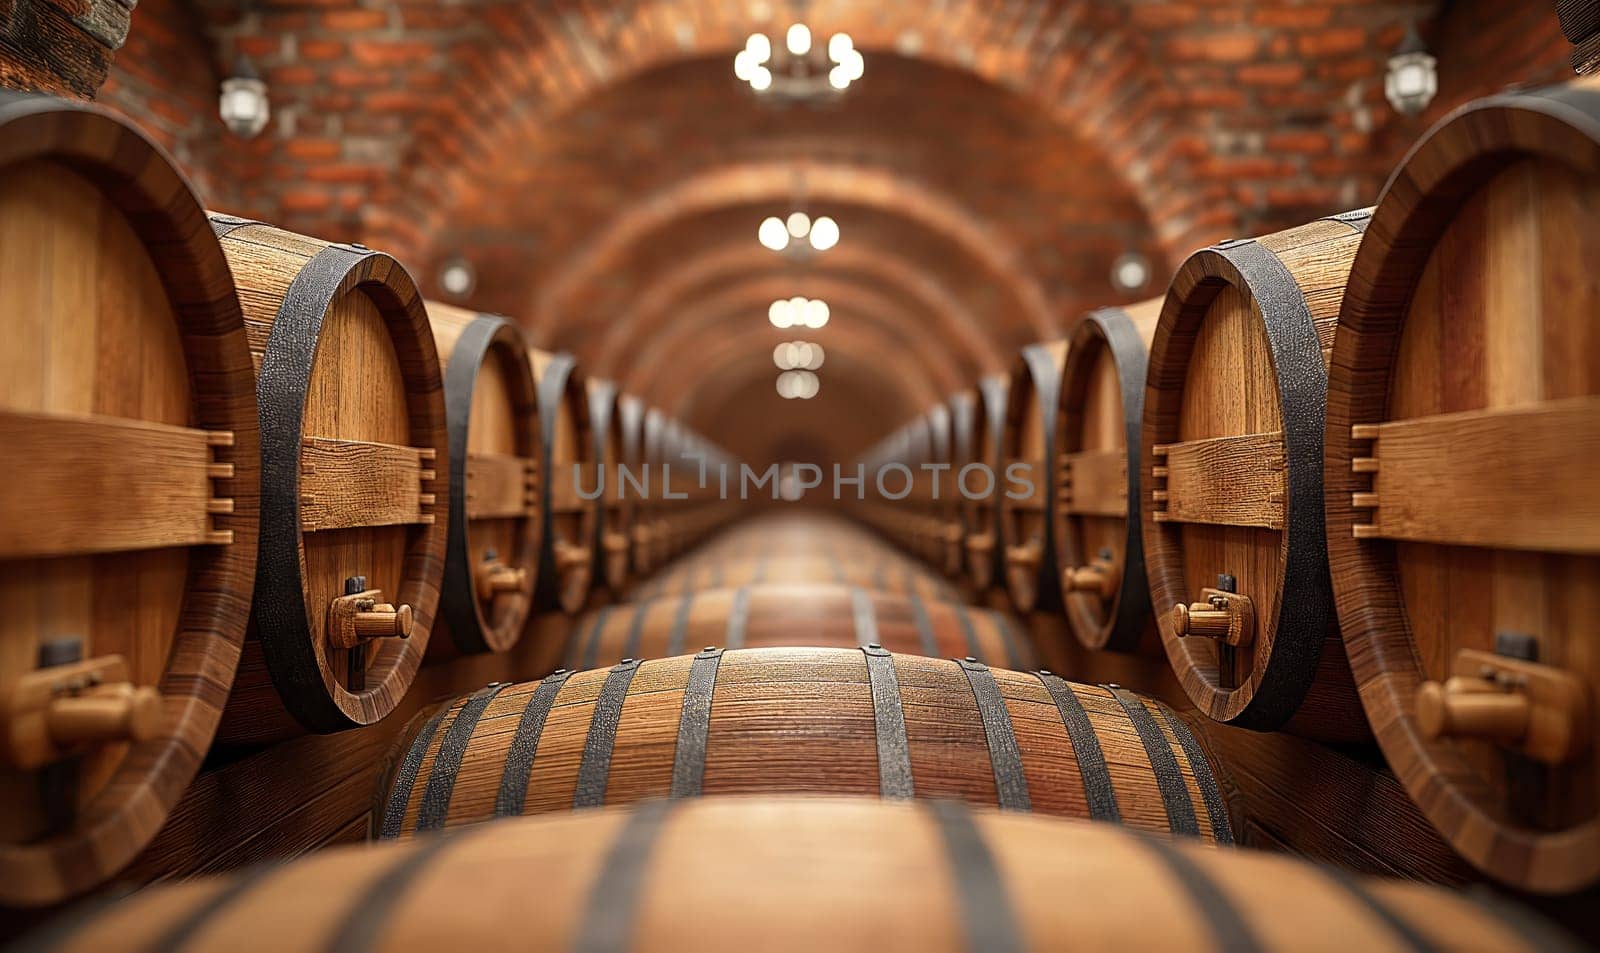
(614, 527)
(1097, 464)
(496, 523)
(859, 721)
(847, 874)
(355, 483)
(129, 517)
(782, 614)
(1028, 449)
(985, 560)
(1463, 507)
(1232, 518)
(571, 522)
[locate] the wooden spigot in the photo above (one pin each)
(357, 617)
(496, 579)
(570, 557)
(1540, 711)
(1200, 619)
(614, 543)
(1099, 578)
(105, 714)
(1025, 556)
(1225, 616)
(1465, 707)
(52, 713)
(980, 543)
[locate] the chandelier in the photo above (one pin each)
(797, 69)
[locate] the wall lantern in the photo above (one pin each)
(244, 107)
(1413, 76)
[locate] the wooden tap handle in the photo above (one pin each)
(615, 543)
(1097, 578)
(1200, 619)
(104, 714)
(1465, 707)
(497, 579)
(980, 542)
(383, 621)
(1025, 556)
(570, 557)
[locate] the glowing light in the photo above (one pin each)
(798, 39)
(824, 233)
(759, 47)
(838, 78)
(854, 64)
(815, 314)
(781, 314)
(762, 80)
(838, 45)
(799, 223)
(773, 234)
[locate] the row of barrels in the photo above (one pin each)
(1343, 475)
(251, 473)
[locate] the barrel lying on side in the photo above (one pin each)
(129, 515)
(1233, 531)
(1028, 443)
(612, 532)
(1463, 503)
(774, 615)
(354, 483)
(495, 532)
(807, 874)
(802, 721)
(985, 561)
(570, 521)
(1097, 537)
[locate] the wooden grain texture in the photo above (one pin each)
(60, 47)
(118, 312)
(1240, 349)
(802, 721)
(496, 532)
(1502, 478)
(101, 484)
(776, 614)
(811, 874)
(1474, 297)
(1030, 439)
(614, 527)
(351, 483)
(347, 370)
(985, 556)
(1222, 481)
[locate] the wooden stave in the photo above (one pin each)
(767, 615)
(983, 516)
(771, 759)
(947, 516)
(1560, 125)
(630, 422)
(1127, 623)
(1032, 415)
(1307, 689)
(158, 201)
(963, 411)
(995, 881)
(563, 396)
(460, 609)
(285, 689)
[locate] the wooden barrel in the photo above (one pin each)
(570, 521)
(802, 721)
(1463, 506)
(630, 422)
(1098, 545)
(947, 508)
(773, 615)
(1028, 450)
(1234, 542)
(128, 521)
(963, 413)
(844, 874)
(985, 561)
(355, 451)
(492, 553)
(647, 515)
(612, 529)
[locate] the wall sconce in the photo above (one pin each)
(243, 106)
(1413, 76)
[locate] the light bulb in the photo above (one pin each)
(838, 45)
(744, 65)
(773, 234)
(798, 39)
(759, 47)
(799, 223)
(839, 78)
(457, 277)
(762, 80)
(780, 314)
(854, 63)
(816, 357)
(815, 314)
(824, 233)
